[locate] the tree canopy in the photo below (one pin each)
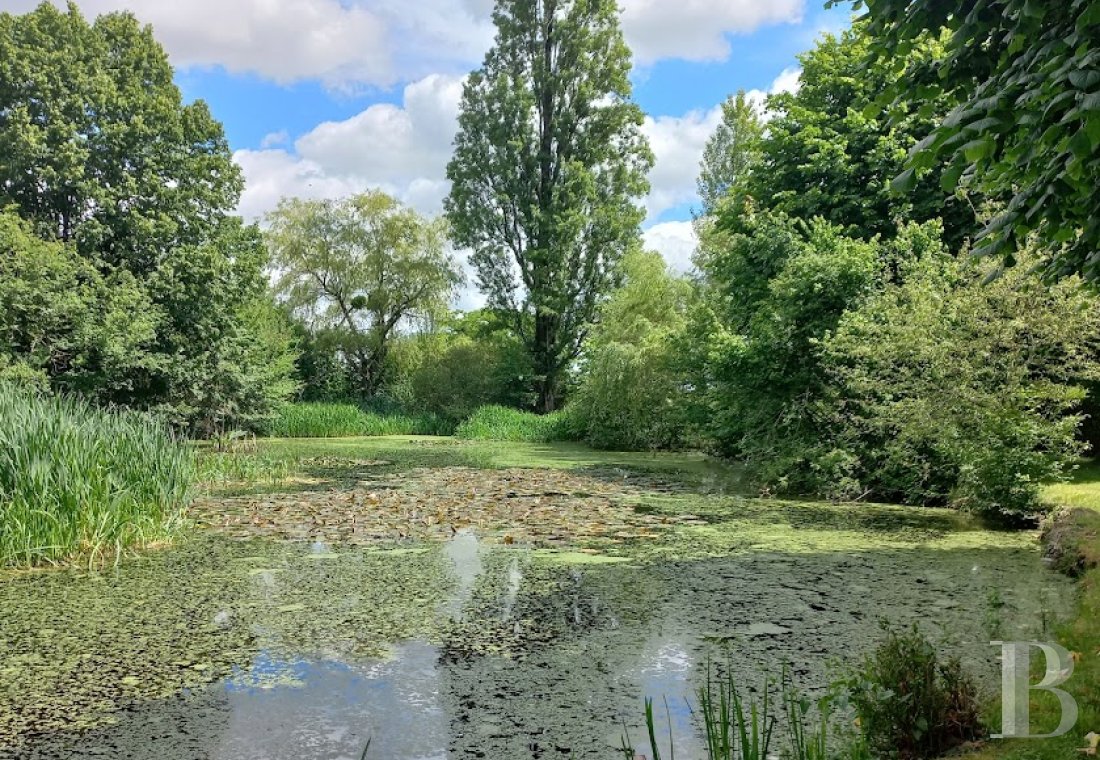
(1026, 76)
(824, 156)
(358, 267)
(101, 156)
(548, 167)
(731, 152)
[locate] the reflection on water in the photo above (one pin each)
(543, 659)
(330, 710)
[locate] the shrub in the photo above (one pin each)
(910, 704)
(631, 393)
(497, 423)
(334, 420)
(948, 389)
(78, 481)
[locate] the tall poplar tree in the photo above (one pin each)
(549, 164)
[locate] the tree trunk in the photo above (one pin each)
(546, 362)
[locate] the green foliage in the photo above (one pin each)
(732, 152)
(99, 148)
(355, 270)
(910, 703)
(630, 394)
(1026, 76)
(145, 303)
(736, 727)
(549, 163)
(78, 482)
(332, 420)
(776, 288)
(945, 389)
(824, 156)
(497, 423)
(62, 322)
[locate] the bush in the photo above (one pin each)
(910, 704)
(631, 391)
(497, 423)
(77, 481)
(333, 420)
(946, 389)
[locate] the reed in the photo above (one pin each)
(81, 482)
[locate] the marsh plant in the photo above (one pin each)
(76, 481)
(336, 420)
(911, 702)
(780, 722)
(498, 423)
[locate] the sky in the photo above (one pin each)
(325, 98)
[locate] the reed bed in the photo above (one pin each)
(81, 482)
(330, 420)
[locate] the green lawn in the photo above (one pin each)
(1082, 490)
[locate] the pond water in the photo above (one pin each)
(479, 648)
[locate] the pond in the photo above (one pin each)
(281, 630)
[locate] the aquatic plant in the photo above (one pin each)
(330, 420)
(910, 703)
(498, 423)
(76, 481)
(738, 729)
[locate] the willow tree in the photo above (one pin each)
(549, 163)
(356, 268)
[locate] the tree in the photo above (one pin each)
(631, 393)
(824, 156)
(731, 152)
(1026, 75)
(359, 267)
(98, 147)
(102, 157)
(948, 389)
(62, 323)
(549, 163)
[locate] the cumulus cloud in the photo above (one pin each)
(337, 43)
(677, 143)
(697, 30)
(676, 241)
(347, 44)
(400, 149)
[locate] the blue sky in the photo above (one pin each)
(324, 98)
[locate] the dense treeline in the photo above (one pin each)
(838, 334)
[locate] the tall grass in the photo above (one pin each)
(332, 420)
(498, 423)
(738, 728)
(76, 481)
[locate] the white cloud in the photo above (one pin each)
(337, 43)
(790, 80)
(676, 241)
(400, 149)
(677, 143)
(351, 43)
(697, 30)
(275, 139)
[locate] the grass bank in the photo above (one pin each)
(79, 482)
(1074, 543)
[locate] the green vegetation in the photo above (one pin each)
(331, 420)
(1026, 127)
(496, 423)
(80, 483)
(550, 161)
(352, 271)
(144, 291)
(910, 703)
